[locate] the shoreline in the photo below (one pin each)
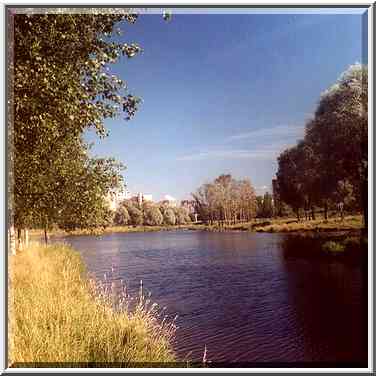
(348, 225)
(52, 293)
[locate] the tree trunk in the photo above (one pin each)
(298, 214)
(326, 210)
(12, 240)
(313, 213)
(19, 239)
(45, 235)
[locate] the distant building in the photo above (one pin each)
(140, 198)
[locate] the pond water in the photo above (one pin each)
(253, 299)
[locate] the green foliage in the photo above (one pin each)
(265, 207)
(330, 164)
(169, 217)
(122, 216)
(136, 215)
(345, 193)
(153, 216)
(289, 177)
(181, 216)
(62, 87)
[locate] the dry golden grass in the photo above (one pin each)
(58, 315)
(333, 224)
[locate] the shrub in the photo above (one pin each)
(122, 216)
(169, 217)
(153, 216)
(136, 215)
(182, 216)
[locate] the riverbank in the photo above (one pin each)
(57, 315)
(349, 223)
(38, 234)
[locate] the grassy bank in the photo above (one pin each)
(349, 223)
(58, 315)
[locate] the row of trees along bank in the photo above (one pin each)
(150, 214)
(329, 167)
(59, 70)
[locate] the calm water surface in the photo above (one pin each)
(249, 297)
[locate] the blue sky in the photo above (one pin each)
(223, 94)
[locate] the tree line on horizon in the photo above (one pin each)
(149, 213)
(329, 167)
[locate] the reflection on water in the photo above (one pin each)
(249, 297)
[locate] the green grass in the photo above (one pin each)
(56, 314)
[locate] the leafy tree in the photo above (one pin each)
(225, 200)
(181, 215)
(153, 216)
(345, 194)
(205, 202)
(260, 207)
(288, 178)
(267, 205)
(169, 217)
(136, 215)
(122, 216)
(71, 192)
(331, 163)
(61, 87)
(245, 198)
(340, 134)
